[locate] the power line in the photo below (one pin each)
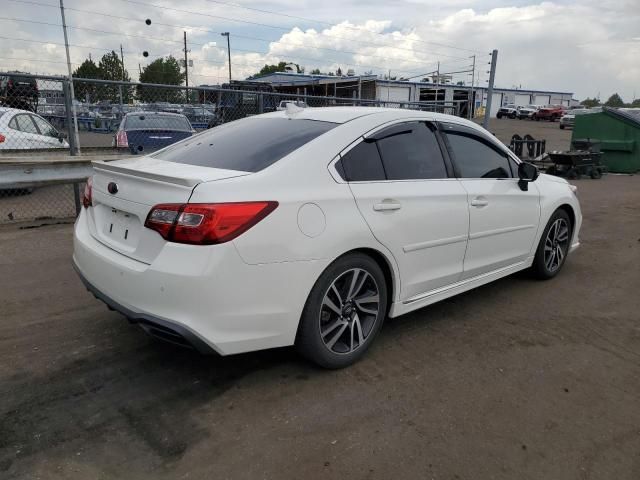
(359, 29)
(316, 60)
(270, 26)
(182, 27)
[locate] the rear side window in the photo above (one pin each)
(156, 122)
(362, 164)
(248, 145)
(412, 154)
(476, 158)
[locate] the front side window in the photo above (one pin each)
(45, 127)
(475, 157)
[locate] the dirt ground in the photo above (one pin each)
(556, 138)
(519, 379)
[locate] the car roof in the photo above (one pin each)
(346, 114)
(14, 110)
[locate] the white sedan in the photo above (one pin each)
(311, 227)
(24, 130)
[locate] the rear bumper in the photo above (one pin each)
(206, 295)
(159, 327)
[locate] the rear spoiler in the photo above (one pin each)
(190, 175)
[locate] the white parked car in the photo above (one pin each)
(309, 228)
(298, 103)
(24, 130)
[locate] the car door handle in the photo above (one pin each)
(479, 202)
(386, 206)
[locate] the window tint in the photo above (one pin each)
(247, 145)
(25, 124)
(45, 127)
(412, 153)
(476, 158)
(362, 163)
(145, 121)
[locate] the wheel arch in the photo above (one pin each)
(569, 210)
(386, 267)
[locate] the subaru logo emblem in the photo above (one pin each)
(112, 188)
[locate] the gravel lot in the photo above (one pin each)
(519, 379)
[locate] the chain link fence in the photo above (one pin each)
(40, 121)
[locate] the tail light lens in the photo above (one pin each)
(2, 138)
(87, 195)
(206, 223)
(121, 139)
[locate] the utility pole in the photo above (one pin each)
(492, 77)
(122, 61)
(472, 102)
(226, 34)
(76, 150)
(438, 83)
(186, 66)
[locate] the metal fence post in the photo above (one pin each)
(261, 103)
(68, 102)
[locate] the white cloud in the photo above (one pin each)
(584, 46)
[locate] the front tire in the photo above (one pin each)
(344, 312)
(554, 246)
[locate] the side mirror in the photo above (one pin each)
(527, 172)
(61, 137)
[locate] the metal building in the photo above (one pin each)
(370, 87)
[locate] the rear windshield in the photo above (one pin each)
(156, 122)
(248, 145)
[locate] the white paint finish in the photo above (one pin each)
(541, 99)
(394, 93)
(522, 99)
(419, 223)
(205, 287)
(311, 220)
(502, 226)
(23, 140)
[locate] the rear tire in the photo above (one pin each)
(498, 115)
(344, 312)
(553, 247)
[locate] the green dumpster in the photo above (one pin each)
(619, 134)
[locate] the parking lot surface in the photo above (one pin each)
(505, 128)
(519, 379)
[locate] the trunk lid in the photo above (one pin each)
(118, 214)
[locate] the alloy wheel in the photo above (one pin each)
(349, 311)
(556, 245)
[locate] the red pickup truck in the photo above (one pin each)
(549, 112)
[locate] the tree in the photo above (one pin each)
(590, 102)
(111, 68)
(86, 91)
(614, 101)
(280, 67)
(636, 103)
(165, 71)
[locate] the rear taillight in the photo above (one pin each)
(87, 195)
(2, 138)
(10, 84)
(121, 139)
(206, 223)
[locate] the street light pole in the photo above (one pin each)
(226, 34)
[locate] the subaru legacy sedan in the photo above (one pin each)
(310, 227)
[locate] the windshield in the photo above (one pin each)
(157, 122)
(247, 145)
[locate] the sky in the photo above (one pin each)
(588, 47)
